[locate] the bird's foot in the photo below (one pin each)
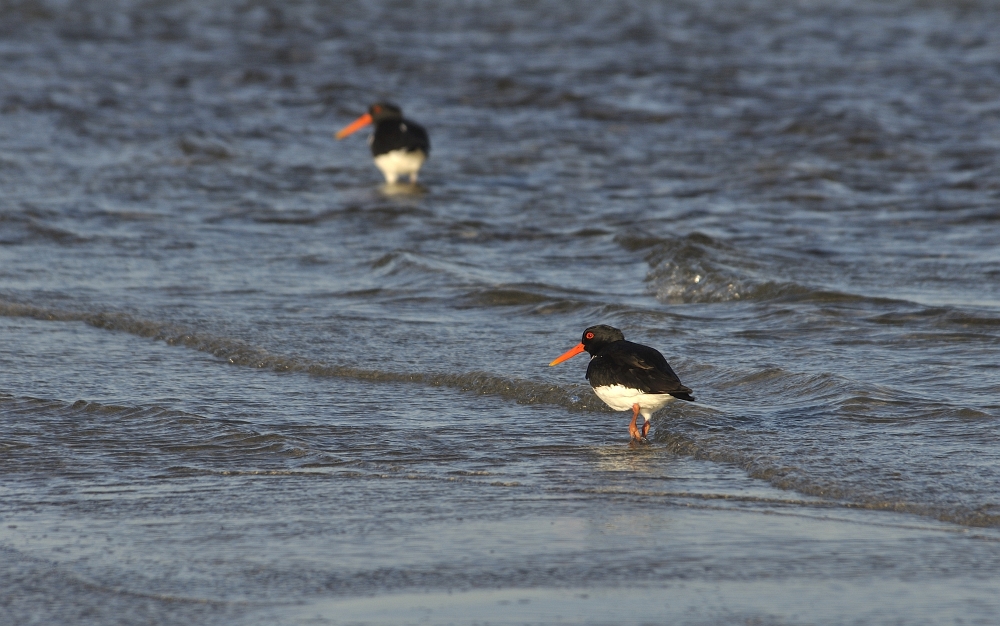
(638, 436)
(633, 430)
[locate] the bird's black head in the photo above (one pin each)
(594, 340)
(383, 111)
(596, 337)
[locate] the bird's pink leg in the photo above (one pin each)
(645, 428)
(632, 428)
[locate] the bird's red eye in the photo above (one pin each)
(377, 109)
(590, 335)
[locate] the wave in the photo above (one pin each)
(790, 477)
(697, 269)
(20, 229)
(696, 430)
(239, 352)
(194, 445)
(126, 434)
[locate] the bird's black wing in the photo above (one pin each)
(400, 135)
(636, 366)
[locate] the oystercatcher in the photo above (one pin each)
(399, 146)
(627, 375)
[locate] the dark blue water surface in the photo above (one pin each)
(243, 382)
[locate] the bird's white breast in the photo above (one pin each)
(621, 398)
(400, 163)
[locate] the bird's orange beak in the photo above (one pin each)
(354, 126)
(572, 352)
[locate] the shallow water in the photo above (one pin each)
(242, 382)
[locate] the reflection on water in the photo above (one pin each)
(403, 189)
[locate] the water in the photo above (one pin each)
(243, 383)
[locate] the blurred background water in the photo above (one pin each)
(242, 382)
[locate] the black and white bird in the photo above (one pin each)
(628, 375)
(399, 146)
